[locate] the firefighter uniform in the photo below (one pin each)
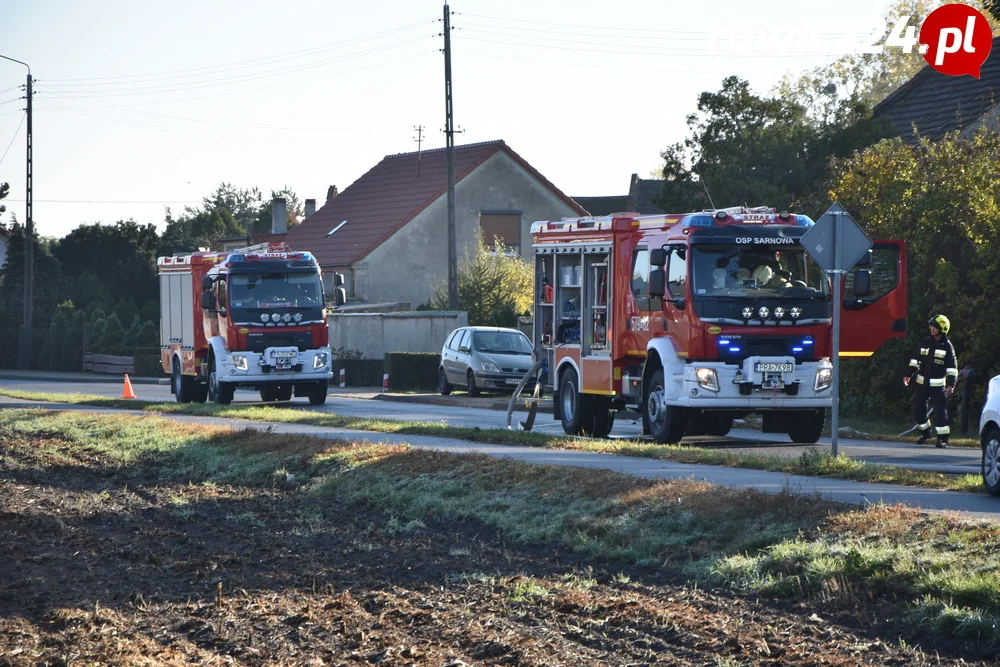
(934, 369)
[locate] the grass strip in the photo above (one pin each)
(936, 572)
(812, 463)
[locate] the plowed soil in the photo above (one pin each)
(101, 564)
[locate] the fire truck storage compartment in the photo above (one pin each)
(176, 310)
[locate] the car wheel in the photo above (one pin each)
(666, 422)
(470, 382)
(443, 387)
(991, 461)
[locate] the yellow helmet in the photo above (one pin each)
(941, 322)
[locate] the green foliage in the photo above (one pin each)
(293, 206)
(126, 311)
(112, 341)
(944, 199)
(493, 287)
(97, 335)
(49, 284)
(96, 315)
(150, 311)
(4, 191)
(412, 370)
(149, 336)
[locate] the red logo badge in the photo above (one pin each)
(956, 40)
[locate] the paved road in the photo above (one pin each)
(952, 461)
(973, 505)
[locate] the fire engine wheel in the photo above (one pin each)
(443, 387)
(283, 392)
(604, 416)
(470, 383)
(183, 385)
(666, 422)
(268, 394)
(806, 427)
(317, 394)
(571, 404)
(219, 392)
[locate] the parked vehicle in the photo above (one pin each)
(697, 319)
(989, 436)
(483, 358)
(250, 318)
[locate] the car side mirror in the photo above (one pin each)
(207, 300)
(862, 283)
(206, 282)
(338, 279)
(657, 283)
(866, 259)
(657, 256)
(339, 297)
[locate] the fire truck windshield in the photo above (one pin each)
(275, 290)
(755, 271)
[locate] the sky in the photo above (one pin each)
(141, 106)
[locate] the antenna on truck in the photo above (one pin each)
(704, 185)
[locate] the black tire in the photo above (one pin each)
(444, 388)
(571, 401)
(991, 461)
(218, 392)
(666, 423)
(806, 427)
(718, 426)
(268, 394)
(283, 392)
(201, 391)
(317, 396)
(183, 385)
(470, 383)
(603, 417)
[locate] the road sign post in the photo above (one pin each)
(836, 242)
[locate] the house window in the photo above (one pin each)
(504, 226)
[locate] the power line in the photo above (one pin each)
(113, 201)
(16, 132)
(240, 64)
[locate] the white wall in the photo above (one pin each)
(374, 334)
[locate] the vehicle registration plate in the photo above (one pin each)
(765, 367)
(511, 381)
(284, 354)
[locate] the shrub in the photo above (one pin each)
(412, 370)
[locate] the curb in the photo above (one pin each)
(450, 402)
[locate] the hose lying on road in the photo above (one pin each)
(533, 405)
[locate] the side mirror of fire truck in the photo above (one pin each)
(206, 282)
(339, 297)
(657, 257)
(338, 280)
(862, 283)
(207, 300)
(657, 283)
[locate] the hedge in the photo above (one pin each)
(358, 372)
(412, 370)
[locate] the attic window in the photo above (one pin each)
(504, 226)
(334, 230)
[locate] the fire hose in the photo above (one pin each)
(532, 403)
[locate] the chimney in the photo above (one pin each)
(310, 208)
(279, 216)
(331, 192)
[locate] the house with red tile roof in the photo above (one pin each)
(387, 232)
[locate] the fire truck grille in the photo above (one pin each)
(258, 342)
(767, 348)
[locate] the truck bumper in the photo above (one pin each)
(745, 387)
(253, 368)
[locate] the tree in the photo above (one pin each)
(293, 207)
(4, 191)
(49, 285)
(493, 287)
(243, 204)
(943, 198)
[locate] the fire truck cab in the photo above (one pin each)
(695, 320)
(254, 318)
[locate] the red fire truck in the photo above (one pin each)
(255, 317)
(698, 319)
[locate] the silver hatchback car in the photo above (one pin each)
(483, 358)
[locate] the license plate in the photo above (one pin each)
(763, 367)
(511, 381)
(284, 354)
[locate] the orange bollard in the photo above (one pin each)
(127, 390)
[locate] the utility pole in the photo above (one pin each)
(419, 140)
(29, 242)
(449, 130)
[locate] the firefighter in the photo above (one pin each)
(936, 372)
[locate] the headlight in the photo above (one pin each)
(490, 367)
(275, 317)
(240, 361)
(298, 317)
(824, 377)
(286, 318)
(707, 378)
(264, 317)
(319, 361)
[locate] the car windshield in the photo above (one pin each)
(502, 342)
(275, 290)
(757, 271)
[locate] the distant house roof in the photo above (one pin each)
(391, 194)
(937, 103)
(639, 199)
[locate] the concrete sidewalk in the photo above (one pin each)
(857, 493)
(63, 376)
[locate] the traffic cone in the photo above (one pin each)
(127, 390)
